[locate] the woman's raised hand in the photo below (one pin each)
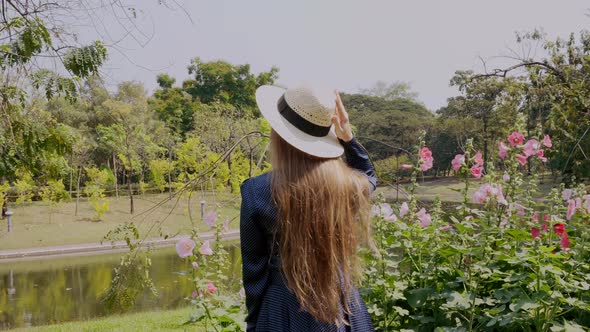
(340, 121)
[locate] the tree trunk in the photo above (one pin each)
(129, 174)
(78, 189)
(169, 173)
(116, 177)
(528, 134)
(142, 177)
(229, 167)
(71, 178)
(485, 141)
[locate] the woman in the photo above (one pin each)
(301, 223)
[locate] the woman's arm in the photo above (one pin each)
(255, 256)
(355, 153)
(357, 158)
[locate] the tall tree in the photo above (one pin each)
(391, 91)
(135, 133)
(173, 105)
(396, 123)
(493, 102)
(220, 81)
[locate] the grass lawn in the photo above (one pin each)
(447, 189)
(145, 321)
(444, 188)
(37, 224)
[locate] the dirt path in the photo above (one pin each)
(82, 249)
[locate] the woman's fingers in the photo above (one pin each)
(340, 110)
(340, 120)
(336, 122)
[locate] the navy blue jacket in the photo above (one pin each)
(271, 306)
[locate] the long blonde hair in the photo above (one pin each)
(323, 210)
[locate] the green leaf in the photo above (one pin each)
(457, 300)
(401, 311)
(523, 304)
(417, 297)
(84, 61)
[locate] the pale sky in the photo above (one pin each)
(347, 44)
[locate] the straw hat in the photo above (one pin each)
(302, 116)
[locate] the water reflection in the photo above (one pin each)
(58, 290)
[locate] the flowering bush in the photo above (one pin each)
(503, 260)
(217, 308)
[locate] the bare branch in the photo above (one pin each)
(504, 72)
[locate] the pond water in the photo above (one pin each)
(40, 292)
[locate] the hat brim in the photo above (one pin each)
(267, 97)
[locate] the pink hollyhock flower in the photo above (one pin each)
(390, 216)
(425, 153)
(482, 194)
(587, 203)
(520, 210)
(546, 217)
(536, 216)
(445, 227)
(206, 249)
(531, 147)
(476, 171)
(571, 209)
(516, 138)
(407, 166)
(195, 265)
(565, 242)
(535, 232)
(541, 155)
(385, 211)
(210, 218)
(194, 294)
(545, 228)
(426, 159)
(426, 164)
(567, 194)
(547, 141)
(503, 223)
(578, 203)
(404, 209)
(184, 247)
(458, 161)
(503, 150)
(211, 288)
(506, 177)
(500, 195)
(226, 224)
(478, 159)
(521, 159)
(487, 192)
(424, 217)
(479, 197)
(375, 211)
(559, 228)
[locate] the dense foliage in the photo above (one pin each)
(503, 260)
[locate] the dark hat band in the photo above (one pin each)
(299, 122)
